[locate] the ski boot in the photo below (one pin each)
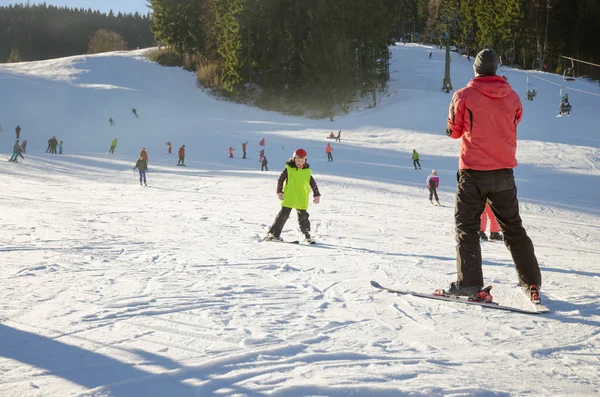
(272, 237)
(534, 293)
(484, 295)
(483, 236)
(496, 236)
(308, 239)
(458, 290)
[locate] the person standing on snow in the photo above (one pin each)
(113, 146)
(24, 146)
(134, 111)
(433, 182)
(415, 159)
(18, 131)
(169, 147)
(16, 152)
(486, 215)
(263, 164)
(231, 152)
(181, 154)
(244, 145)
(293, 189)
(60, 147)
(329, 150)
(485, 114)
(142, 167)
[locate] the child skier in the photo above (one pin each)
(231, 152)
(16, 152)
(113, 146)
(494, 227)
(169, 146)
(293, 189)
(244, 145)
(329, 150)
(433, 182)
(25, 146)
(60, 147)
(415, 159)
(142, 166)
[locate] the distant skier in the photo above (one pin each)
(433, 182)
(144, 154)
(231, 152)
(293, 189)
(24, 146)
(415, 159)
(60, 147)
(53, 145)
(113, 146)
(244, 145)
(142, 167)
(263, 164)
(329, 151)
(181, 154)
(49, 148)
(486, 215)
(169, 147)
(261, 154)
(262, 142)
(111, 121)
(16, 152)
(430, 54)
(18, 131)
(134, 111)
(339, 136)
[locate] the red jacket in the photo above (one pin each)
(485, 114)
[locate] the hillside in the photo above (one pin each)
(112, 289)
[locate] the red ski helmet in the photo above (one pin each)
(299, 153)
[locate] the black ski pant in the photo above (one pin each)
(180, 160)
(499, 189)
(283, 216)
(264, 168)
(329, 157)
(112, 150)
(432, 193)
(244, 156)
(416, 163)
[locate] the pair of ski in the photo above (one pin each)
(311, 242)
(539, 309)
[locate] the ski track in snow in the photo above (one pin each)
(112, 289)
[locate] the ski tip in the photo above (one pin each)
(376, 284)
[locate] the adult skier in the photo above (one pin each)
(485, 114)
(142, 167)
(181, 154)
(415, 159)
(113, 146)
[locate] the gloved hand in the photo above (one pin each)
(317, 199)
(280, 196)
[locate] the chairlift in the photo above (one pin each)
(537, 64)
(569, 73)
(529, 93)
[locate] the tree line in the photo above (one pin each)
(328, 50)
(528, 33)
(41, 31)
(321, 50)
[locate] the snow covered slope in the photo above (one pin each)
(111, 289)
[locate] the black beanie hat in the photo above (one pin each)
(486, 63)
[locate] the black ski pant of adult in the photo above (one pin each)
(416, 163)
(499, 189)
(329, 157)
(181, 159)
(283, 216)
(432, 193)
(264, 168)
